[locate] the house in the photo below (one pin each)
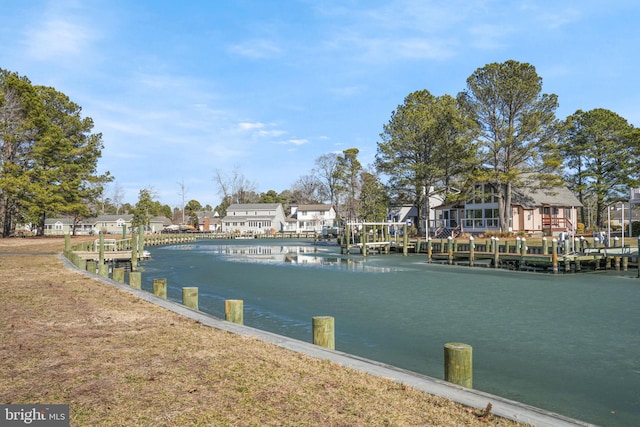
(305, 218)
(209, 221)
(62, 226)
(254, 218)
(533, 211)
(107, 224)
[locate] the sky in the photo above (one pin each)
(185, 91)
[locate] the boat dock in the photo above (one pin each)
(541, 254)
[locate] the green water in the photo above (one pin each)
(568, 343)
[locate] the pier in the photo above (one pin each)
(519, 253)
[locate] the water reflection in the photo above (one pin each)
(302, 256)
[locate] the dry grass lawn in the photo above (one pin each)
(120, 361)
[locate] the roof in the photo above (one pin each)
(253, 206)
(530, 198)
(316, 207)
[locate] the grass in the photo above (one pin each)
(121, 361)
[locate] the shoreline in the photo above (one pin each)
(118, 359)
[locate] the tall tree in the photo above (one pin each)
(21, 119)
(347, 182)
(325, 170)
(146, 208)
(48, 155)
(519, 130)
(63, 178)
(192, 208)
(427, 143)
(373, 198)
(602, 151)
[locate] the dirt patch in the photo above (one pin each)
(118, 360)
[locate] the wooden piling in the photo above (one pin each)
(134, 252)
(103, 269)
(554, 254)
(405, 240)
(101, 249)
(324, 331)
(67, 242)
(545, 246)
(135, 279)
(430, 251)
(190, 297)
(92, 267)
(450, 249)
(160, 288)
(472, 251)
(118, 274)
(458, 364)
(141, 239)
(234, 311)
(496, 252)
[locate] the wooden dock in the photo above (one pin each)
(514, 254)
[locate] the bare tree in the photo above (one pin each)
(327, 172)
(308, 189)
(117, 197)
(183, 194)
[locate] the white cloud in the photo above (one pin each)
(256, 49)
(58, 38)
(250, 126)
(295, 141)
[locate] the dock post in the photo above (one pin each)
(523, 246)
(348, 238)
(124, 237)
(234, 311)
(472, 248)
(554, 254)
(364, 237)
(625, 263)
(118, 274)
(92, 267)
(545, 246)
(101, 248)
(190, 297)
(160, 288)
(518, 245)
(405, 239)
(450, 249)
(134, 252)
(67, 242)
(458, 364)
(141, 239)
(496, 252)
(135, 279)
(430, 251)
(616, 259)
(324, 331)
(103, 269)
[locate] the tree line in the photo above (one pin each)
(501, 130)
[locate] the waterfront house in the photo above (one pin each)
(254, 218)
(305, 218)
(209, 221)
(534, 211)
(65, 225)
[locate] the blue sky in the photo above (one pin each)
(180, 90)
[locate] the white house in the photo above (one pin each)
(254, 218)
(310, 218)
